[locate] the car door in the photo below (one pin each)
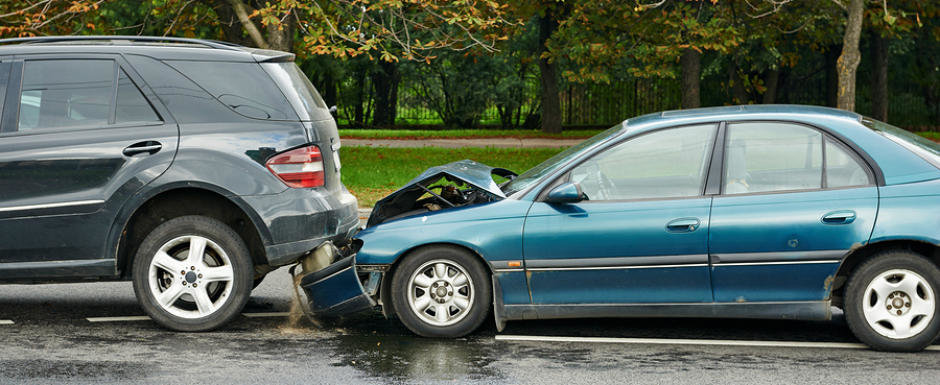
(794, 201)
(641, 237)
(78, 138)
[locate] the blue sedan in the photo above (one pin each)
(765, 212)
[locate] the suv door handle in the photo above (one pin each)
(151, 147)
(841, 217)
(682, 225)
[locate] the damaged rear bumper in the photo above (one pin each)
(341, 288)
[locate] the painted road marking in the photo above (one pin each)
(684, 341)
(6, 322)
(263, 315)
(119, 319)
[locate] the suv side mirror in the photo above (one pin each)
(333, 109)
(566, 193)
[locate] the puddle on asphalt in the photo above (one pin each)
(407, 357)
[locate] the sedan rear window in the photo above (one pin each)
(923, 147)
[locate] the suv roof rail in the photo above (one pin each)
(118, 38)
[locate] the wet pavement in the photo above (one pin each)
(51, 340)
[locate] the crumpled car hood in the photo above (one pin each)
(467, 171)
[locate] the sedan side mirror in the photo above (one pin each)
(333, 109)
(566, 193)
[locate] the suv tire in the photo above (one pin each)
(192, 291)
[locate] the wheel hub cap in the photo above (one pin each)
(191, 277)
(440, 292)
(899, 304)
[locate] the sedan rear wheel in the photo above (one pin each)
(891, 301)
(441, 291)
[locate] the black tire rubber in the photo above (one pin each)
(482, 300)
(855, 294)
(257, 281)
(219, 233)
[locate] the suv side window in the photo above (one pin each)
(131, 104)
(662, 164)
(66, 93)
(771, 156)
(4, 80)
(243, 87)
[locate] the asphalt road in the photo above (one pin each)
(51, 340)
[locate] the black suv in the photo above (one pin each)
(190, 167)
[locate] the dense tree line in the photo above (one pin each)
(535, 63)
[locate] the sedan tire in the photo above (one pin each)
(891, 301)
(441, 291)
(192, 273)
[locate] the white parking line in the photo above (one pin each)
(262, 315)
(119, 319)
(684, 341)
(6, 322)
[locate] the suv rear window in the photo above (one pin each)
(923, 147)
(243, 87)
(298, 89)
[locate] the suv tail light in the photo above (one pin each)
(298, 168)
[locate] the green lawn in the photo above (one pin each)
(935, 135)
(355, 133)
(371, 173)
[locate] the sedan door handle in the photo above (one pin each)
(682, 225)
(151, 147)
(840, 217)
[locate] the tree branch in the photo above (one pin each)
(240, 11)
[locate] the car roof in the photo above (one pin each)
(742, 112)
(164, 48)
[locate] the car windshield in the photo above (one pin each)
(923, 147)
(535, 173)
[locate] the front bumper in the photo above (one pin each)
(340, 288)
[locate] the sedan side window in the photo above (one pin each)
(768, 156)
(66, 93)
(842, 168)
(660, 164)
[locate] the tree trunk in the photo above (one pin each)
(242, 13)
(691, 63)
(551, 105)
(771, 80)
(385, 82)
(832, 75)
(879, 78)
(738, 93)
(360, 85)
(848, 61)
(281, 36)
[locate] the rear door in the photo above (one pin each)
(78, 137)
(794, 202)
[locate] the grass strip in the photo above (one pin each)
(371, 173)
(356, 133)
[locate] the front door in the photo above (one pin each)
(795, 201)
(78, 138)
(641, 237)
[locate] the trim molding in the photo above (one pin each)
(51, 205)
(623, 267)
(793, 310)
(778, 256)
(616, 262)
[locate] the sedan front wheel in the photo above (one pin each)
(441, 291)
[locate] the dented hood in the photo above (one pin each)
(467, 171)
